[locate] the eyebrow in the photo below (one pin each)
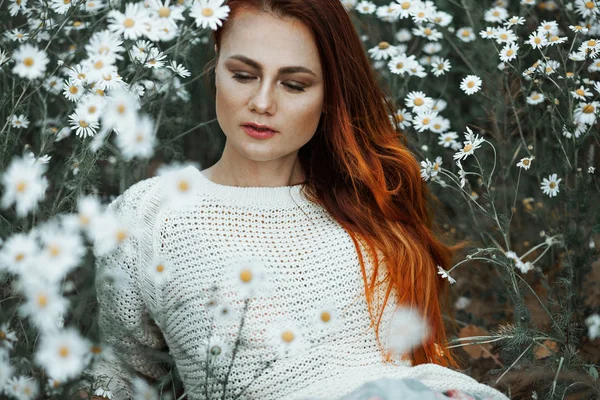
(282, 70)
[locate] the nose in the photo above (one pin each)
(262, 101)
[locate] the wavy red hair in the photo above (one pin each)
(359, 168)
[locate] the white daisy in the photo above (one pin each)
(446, 139)
(466, 34)
(120, 110)
(462, 303)
(418, 101)
(383, 51)
(535, 98)
(138, 140)
(472, 143)
(581, 93)
(423, 120)
(441, 18)
(440, 66)
(96, 66)
(218, 350)
(90, 107)
(430, 169)
(165, 14)
(488, 33)
(62, 354)
(495, 14)
(93, 6)
(550, 185)
(61, 252)
(402, 63)
(326, 316)
(106, 44)
(403, 35)
(72, 90)
(83, 125)
(30, 62)
(445, 275)
(537, 40)
(22, 388)
(53, 84)
(131, 23)
(585, 113)
(470, 84)
(504, 35)
(548, 27)
(587, 8)
(402, 117)
(427, 32)
(349, 4)
(178, 69)
(159, 271)
(439, 105)
(17, 6)
(389, 13)
(578, 28)
(209, 13)
(366, 7)
(422, 12)
(24, 185)
(7, 337)
(19, 121)
(17, 35)
(250, 277)
(286, 337)
(407, 329)
(513, 21)
(439, 124)
(554, 39)
(509, 52)
(18, 253)
(155, 59)
(44, 305)
(60, 6)
(110, 232)
(432, 48)
(525, 162)
(179, 185)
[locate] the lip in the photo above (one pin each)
(259, 126)
(251, 131)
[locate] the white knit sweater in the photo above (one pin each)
(309, 260)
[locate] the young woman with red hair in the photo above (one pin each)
(317, 184)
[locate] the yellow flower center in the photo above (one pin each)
(405, 5)
(588, 109)
(63, 351)
(325, 316)
(465, 33)
(73, 90)
(67, 1)
(426, 121)
(84, 220)
(95, 349)
(207, 12)
(19, 257)
(591, 43)
(552, 185)
(128, 23)
(83, 124)
(580, 92)
(427, 31)
(139, 138)
(42, 300)
(2, 335)
(21, 186)
(470, 84)
(383, 45)
(589, 5)
(77, 24)
(419, 102)
(104, 50)
(54, 250)
(535, 96)
(164, 12)
(246, 276)
(287, 336)
(184, 186)
(121, 235)
(98, 64)
(468, 148)
(160, 268)
(526, 161)
(92, 109)
(510, 52)
(399, 117)
(28, 61)
(400, 65)
(503, 36)
(121, 109)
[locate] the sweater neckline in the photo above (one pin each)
(264, 196)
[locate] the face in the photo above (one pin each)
(269, 73)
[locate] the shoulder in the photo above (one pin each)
(132, 199)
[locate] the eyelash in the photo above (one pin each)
(244, 78)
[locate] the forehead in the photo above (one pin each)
(270, 40)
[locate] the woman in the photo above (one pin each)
(316, 204)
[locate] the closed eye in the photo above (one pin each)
(246, 78)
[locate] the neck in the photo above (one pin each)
(243, 172)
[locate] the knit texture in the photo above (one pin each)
(309, 261)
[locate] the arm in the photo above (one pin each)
(124, 321)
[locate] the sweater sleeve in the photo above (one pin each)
(126, 327)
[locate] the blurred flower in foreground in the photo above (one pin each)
(209, 13)
(30, 62)
(407, 330)
(143, 390)
(24, 185)
(63, 354)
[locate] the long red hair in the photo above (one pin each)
(359, 168)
